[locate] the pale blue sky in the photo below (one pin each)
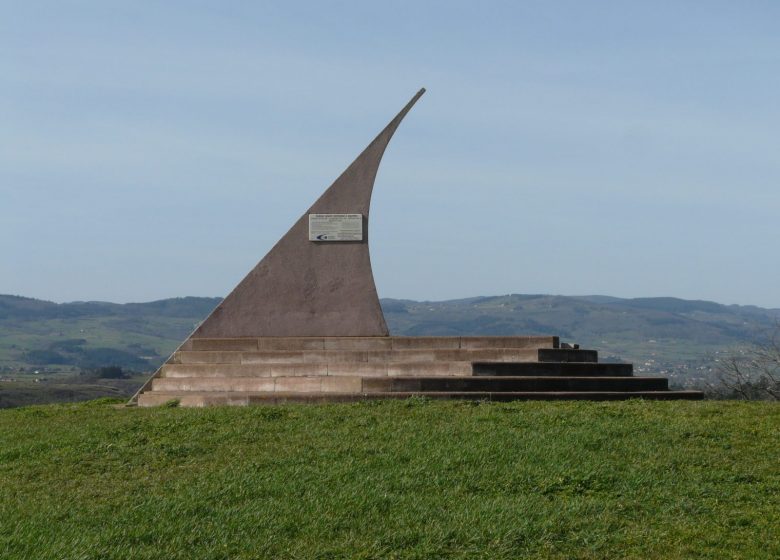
(159, 149)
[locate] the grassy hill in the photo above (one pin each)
(413, 479)
(42, 334)
(54, 343)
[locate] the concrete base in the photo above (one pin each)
(241, 371)
(245, 399)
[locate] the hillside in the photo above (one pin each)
(408, 479)
(674, 337)
(138, 336)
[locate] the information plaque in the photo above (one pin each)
(335, 227)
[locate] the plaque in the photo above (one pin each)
(335, 227)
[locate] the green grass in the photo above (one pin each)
(409, 479)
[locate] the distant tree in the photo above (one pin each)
(42, 357)
(110, 372)
(94, 358)
(754, 373)
(68, 345)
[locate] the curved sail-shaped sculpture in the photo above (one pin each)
(314, 288)
(305, 325)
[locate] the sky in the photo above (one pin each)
(160, 149)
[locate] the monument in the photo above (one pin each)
(306, 325)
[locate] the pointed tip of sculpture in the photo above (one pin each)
(394, 123)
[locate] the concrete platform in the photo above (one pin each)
(371, 356)
(373, 369)
(315, 369)
(247, 398)
(410, 384)
(585, 369)
(371, 343)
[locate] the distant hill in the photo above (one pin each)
(138, 336)
(658, 334)
(593, 320)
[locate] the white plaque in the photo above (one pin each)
(335, 227)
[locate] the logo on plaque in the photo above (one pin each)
(335, 227)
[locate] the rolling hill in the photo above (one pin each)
(658, 334)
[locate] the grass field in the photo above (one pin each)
(409, 479)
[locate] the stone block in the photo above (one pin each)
(429, 368)
(358, 343)
(298, 384)
(214, 370)
(509, 342)
(342, 384)
(567, 369)
(207, 357)
(367, 369)
(567, 355)
(336, 356)
(239, 344)
(214, 399)
(213, 384)
(290, 343)
(415, 355)
(425, 342)
(299, 369)
(379, 356)
(311, 369)
(271, 357)
(390, 384)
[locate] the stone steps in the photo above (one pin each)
(371, 343)
(365, 369)
(514, 384)
(566, 355)
(589, 369)
(358, 384)
(382, 356)
(312, 369)
(200, 399)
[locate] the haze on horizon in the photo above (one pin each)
(153, 150)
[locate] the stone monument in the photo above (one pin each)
(306, 325)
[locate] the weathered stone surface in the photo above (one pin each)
(509, 342)
(429, 368)
(510, 384)
(364, 369)
(222, 344)
(213, 384)
(291, 343)
(566, 355)
(487, 355)
(299, 384)
(335, 356)
(299, 369)
(426, 342)
(208, 357)
(585, 369)
(214, 370)
(243, 399)
(342, 384)
(271, 357)
(358, 343)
